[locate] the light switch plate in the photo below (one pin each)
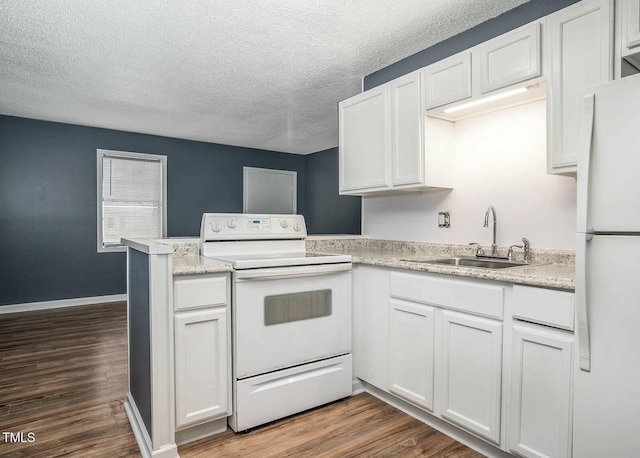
(444, 219)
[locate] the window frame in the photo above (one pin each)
(246, 171)
(100, 154)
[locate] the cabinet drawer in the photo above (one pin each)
(466, 296)
(199, 290)
(278, 394)
(544, 306)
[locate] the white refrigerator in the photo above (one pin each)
(606, 404)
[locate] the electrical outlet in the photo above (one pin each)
(444, 219)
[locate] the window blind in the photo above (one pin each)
(132, 198)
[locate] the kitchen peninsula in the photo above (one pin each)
(497, 306)
(158, 401)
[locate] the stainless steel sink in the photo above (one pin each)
(470, 262)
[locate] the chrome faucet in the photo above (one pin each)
(478, 249)
(510, 252)
(494, 247)
(527, 247)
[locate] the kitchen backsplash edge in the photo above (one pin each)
(190, 247)
(357, 244)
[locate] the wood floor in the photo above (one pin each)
(63, 378)
(359, 426)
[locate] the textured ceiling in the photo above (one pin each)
(261, 74)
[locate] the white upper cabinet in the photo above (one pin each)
(382, 141)
(401, 136)
(365, 140)
(509, 58)
(407, 121)
(448, 80)
(479, 80)
(627, 53)
(580, 48)
(630, 26)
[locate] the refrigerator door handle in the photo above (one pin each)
(584, 162)
(582, 314)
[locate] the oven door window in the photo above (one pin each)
(286, 308)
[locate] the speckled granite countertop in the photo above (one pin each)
(192, 265)
(185, 255)
(549, 268)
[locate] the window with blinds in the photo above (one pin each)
(131, 197)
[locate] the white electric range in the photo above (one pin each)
(291, 316)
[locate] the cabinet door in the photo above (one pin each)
(540, 408)
(411, 352)
(580, 45)
(407, 118)
(202, 371)
(472, 370)
(371, 325)
(365, 141)
(448, 80)
(631, 25)
(510, 58)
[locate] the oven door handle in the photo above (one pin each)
(290, 272)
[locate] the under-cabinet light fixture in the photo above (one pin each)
(492, 98)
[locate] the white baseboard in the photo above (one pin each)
(142, 438)
(450, 430)
(31, 306)
(196, 433)
(357, 387)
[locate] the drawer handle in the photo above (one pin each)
(282, 381)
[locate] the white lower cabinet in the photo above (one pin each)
(539, 417)
(370, 309)
(411, 352)
(456, 348)
(472, 370)
(202, 348)
(444, 361)
(201, 365)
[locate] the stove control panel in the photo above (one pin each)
(240, 226)
(259, 224)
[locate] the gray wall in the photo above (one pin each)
(140, 335)
(328, 212)
(48, 185)
(523, 14)
(48, 202)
